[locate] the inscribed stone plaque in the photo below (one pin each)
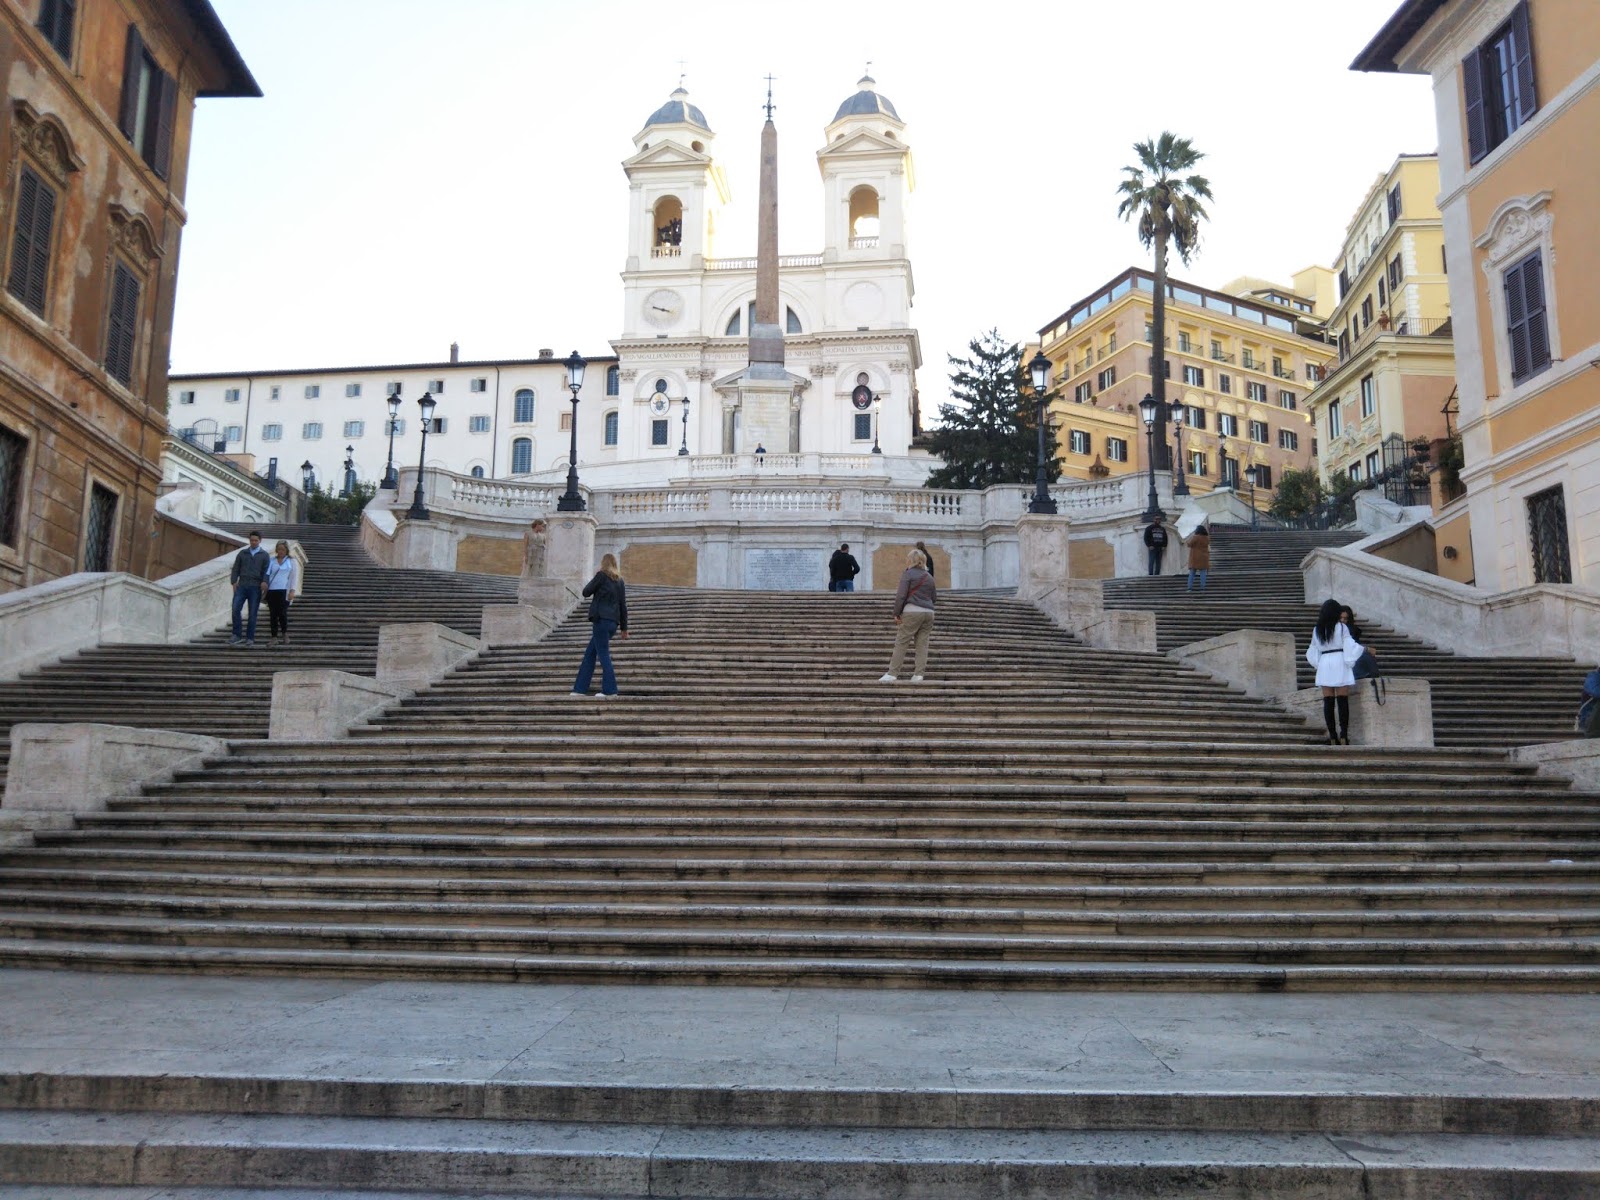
(785, 570)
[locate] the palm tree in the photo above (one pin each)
(1167, 206)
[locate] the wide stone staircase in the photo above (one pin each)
(758, 809)
(1255, 583)
(207, 686)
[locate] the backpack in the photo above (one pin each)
(1366, 667)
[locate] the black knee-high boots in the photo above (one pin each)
(1327, 717)
(1344, 719)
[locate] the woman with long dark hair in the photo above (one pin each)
(1333, 651)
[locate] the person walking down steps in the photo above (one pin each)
(249, 579)
(1333, 653)
(281, 580)
(913, 613)
(608, 615)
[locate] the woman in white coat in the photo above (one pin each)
(1333, 653)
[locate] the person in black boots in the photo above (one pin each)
(1155, 537)
(1333, 652)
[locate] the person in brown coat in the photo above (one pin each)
(1199, 544)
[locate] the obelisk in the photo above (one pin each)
(766, 394)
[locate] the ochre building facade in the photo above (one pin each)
(95, 146)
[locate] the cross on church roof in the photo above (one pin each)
(769, 105)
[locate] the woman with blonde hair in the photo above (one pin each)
(282, 580)
(913, 613)
(608, 613)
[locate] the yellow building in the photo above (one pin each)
(1517, 93)
(1396, 366)
(1241, 367)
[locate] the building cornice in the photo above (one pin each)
(221, 468)
(280, 372)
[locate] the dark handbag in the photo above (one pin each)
(1366, 667)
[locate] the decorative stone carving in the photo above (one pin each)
(46, 141)
(533, 550)
(133, 235)
(627, 375)
(1516, 223)
(899, 365)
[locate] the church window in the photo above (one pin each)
(734, 323)
(792, 321)
(521, 456)
(613, 381)
(863, 427)
(477, 471)
(863, 218)
(522, 405)
(658, 432)
(668, 222)
(611, 428)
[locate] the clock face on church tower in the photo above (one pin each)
(663, 307)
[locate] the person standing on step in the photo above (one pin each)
(843, 569)
(1333, 652)
(927, 560)
(1199, 556)
(249, 579)
(282, 575)
(608, 615)
(1155, 538)
(913, 613)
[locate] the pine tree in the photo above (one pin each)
(987, 434)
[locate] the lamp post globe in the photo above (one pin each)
(1039, 376)
(1147, 413)
(391, 477)
(571, 500)
(308, 476)
(419, 508)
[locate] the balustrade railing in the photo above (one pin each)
(864, 243)
(658, 500)
(749, 264)
(787, 500)
(470, 492)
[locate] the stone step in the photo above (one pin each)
(501, 1157)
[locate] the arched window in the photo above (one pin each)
(668, 219)
(524, 405)
(521, 456)
(477, 471)
(748, 315)
(863, 218)
(613, 381)
(611, 428)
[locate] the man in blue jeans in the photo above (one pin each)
(843, 569)
(249, 579)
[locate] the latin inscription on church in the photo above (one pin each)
(785, 570)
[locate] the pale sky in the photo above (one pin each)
(420, 173)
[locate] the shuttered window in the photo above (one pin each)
(123, 327)
(1527, 325)
(521, 456)
(149, 110)
(13, 457)
(55, 22)
(1498, 86)
(30, 240)
(523, 406)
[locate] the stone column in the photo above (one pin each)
(569, 555)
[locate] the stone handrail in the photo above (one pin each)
(785, 499)
(1548, 619)
(41, 624)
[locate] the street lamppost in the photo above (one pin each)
(308, 480)
(877, 408)
(683, 449)
(570, 500)
(349, 472)
(1039, 376)
(391, 477)
(1250, 474)
(1180, 485)
(1147, 411)
(419, 508)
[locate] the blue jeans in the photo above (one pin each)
(1155, 553)
(244, 594)
(1192, 573)
(599, 648)
(844, 585)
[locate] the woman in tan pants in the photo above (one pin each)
(913, 613)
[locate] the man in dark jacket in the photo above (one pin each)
(249, 579)
(843, 569)
(1155, 537)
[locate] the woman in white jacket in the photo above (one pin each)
(1333, 652)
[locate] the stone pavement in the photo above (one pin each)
(1323, 1082)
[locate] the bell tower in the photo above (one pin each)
(867, 178)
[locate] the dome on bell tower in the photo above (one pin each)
(866, 102)
(678, 111)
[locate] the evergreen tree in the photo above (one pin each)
(326, 507)
(987, 434)
(1300, 493)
